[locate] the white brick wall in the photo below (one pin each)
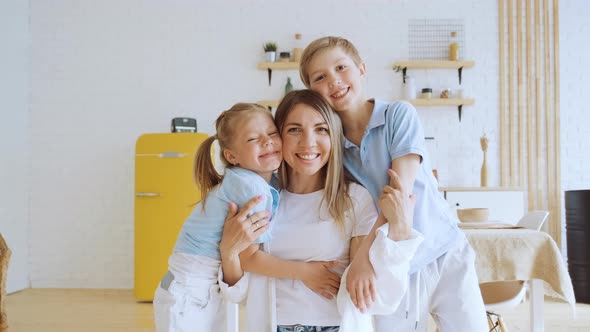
(14, 138)
(575, 80)
(104, 72)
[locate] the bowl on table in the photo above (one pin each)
(473, 215)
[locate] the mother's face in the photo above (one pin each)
(306, 140)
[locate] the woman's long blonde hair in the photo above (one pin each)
(206, 175)
(322, 44)
(335, 185)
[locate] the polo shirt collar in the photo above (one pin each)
(377, 119)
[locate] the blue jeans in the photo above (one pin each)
(305, 328)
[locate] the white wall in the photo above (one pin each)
(14, 138)
(574, 28)
(103, 72)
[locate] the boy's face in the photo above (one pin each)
(334, 75)
(256, 145)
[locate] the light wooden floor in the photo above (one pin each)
(105, 310)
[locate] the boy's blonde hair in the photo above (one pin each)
(335, 186)
(320, 45)
(206, 175)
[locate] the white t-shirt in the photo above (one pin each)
(305, 231)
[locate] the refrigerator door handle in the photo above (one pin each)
(146, 194)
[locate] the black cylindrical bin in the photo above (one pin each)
(577, 215)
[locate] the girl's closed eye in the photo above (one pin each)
(252, 139)
(318, 78)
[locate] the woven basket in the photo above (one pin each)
(4, 258)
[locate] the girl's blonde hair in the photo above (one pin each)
(323, 44)
(335, 185)
(206, 175)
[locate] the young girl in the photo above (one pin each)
(380, 135)
(187, 298)
(322, 217)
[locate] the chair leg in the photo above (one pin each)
(502, 325)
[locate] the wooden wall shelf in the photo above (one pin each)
(269, 103)
(279, 65)
(269, 66)
(422, 102)
(441, 102)
(433, 64)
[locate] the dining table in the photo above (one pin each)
(506, 252)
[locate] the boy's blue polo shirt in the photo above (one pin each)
(394, 130)
(202, 230)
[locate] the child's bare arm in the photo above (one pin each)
(361, 275)
(406, 168)
(317, 276)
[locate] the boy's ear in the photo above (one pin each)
(363, 69)
(230, 156)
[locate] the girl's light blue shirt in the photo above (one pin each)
(394, 130)
(201, 231)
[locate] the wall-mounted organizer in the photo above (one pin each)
(403, 66)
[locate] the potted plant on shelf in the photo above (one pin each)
(270, 51)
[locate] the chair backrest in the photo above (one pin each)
(533, 220)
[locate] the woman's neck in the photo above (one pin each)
(305, 184)
(355, 121)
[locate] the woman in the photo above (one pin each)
(321, 217)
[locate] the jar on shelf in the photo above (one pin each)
(284, 57)
(409, 88)
(426, 93)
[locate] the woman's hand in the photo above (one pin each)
(360, 282)
(318, 277)
(239, 230)
(397, 206)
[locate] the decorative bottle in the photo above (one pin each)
(484, 166)
(454, 47)
(298, 49)
(288, 86)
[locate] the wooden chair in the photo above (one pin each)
(534, 220)
(4, 258)
(499, 295)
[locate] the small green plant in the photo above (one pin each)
(270, 46)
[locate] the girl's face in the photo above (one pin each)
(335, 76)
(306, 142)
(256, 144)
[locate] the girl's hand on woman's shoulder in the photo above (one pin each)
(239, 230)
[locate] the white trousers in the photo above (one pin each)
(186, 302)
(448, 289)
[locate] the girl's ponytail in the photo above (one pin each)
(206, 175)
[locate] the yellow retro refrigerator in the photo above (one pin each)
(165, 194)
